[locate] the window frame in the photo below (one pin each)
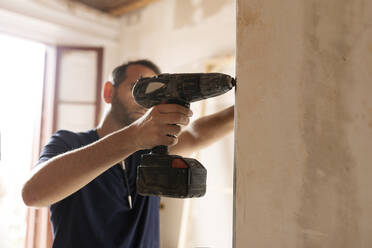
(39, 230)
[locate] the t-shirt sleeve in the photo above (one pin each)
(56, 145)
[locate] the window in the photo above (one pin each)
(21, 80)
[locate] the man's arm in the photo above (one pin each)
(61, 176)
(204, 131)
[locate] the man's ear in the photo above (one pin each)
(108, 92)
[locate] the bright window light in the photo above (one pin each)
(21, 79)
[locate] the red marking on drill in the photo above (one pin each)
(179, 163)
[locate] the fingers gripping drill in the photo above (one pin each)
(171, 175)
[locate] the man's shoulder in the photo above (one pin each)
(68, 133)
(64, 140)
(65, 134)
(77, 138)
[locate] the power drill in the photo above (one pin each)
(167, 175)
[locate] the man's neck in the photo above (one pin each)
(107, 126)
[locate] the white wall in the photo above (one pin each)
(186, 36)
(180, 34)
(58, 23)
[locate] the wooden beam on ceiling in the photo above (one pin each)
(130, 6)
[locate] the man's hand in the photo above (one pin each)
(160, 125)
(204, 131)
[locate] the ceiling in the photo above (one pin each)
(115, 7)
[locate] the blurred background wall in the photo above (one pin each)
(178, 35)
(192, 36)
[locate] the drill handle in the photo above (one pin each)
(179, 102)
(163, 150)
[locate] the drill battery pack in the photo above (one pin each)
(171, 176)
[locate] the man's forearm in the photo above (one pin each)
(65, 174)
(205, 131)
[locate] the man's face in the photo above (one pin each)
(124, 109)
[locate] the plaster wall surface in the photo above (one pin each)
(303, 124)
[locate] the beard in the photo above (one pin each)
(121, 112)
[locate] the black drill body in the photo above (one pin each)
(162, 174)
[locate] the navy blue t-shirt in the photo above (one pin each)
(98, 215)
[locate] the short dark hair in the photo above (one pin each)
(119, 73)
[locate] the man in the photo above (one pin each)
(79, 177)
